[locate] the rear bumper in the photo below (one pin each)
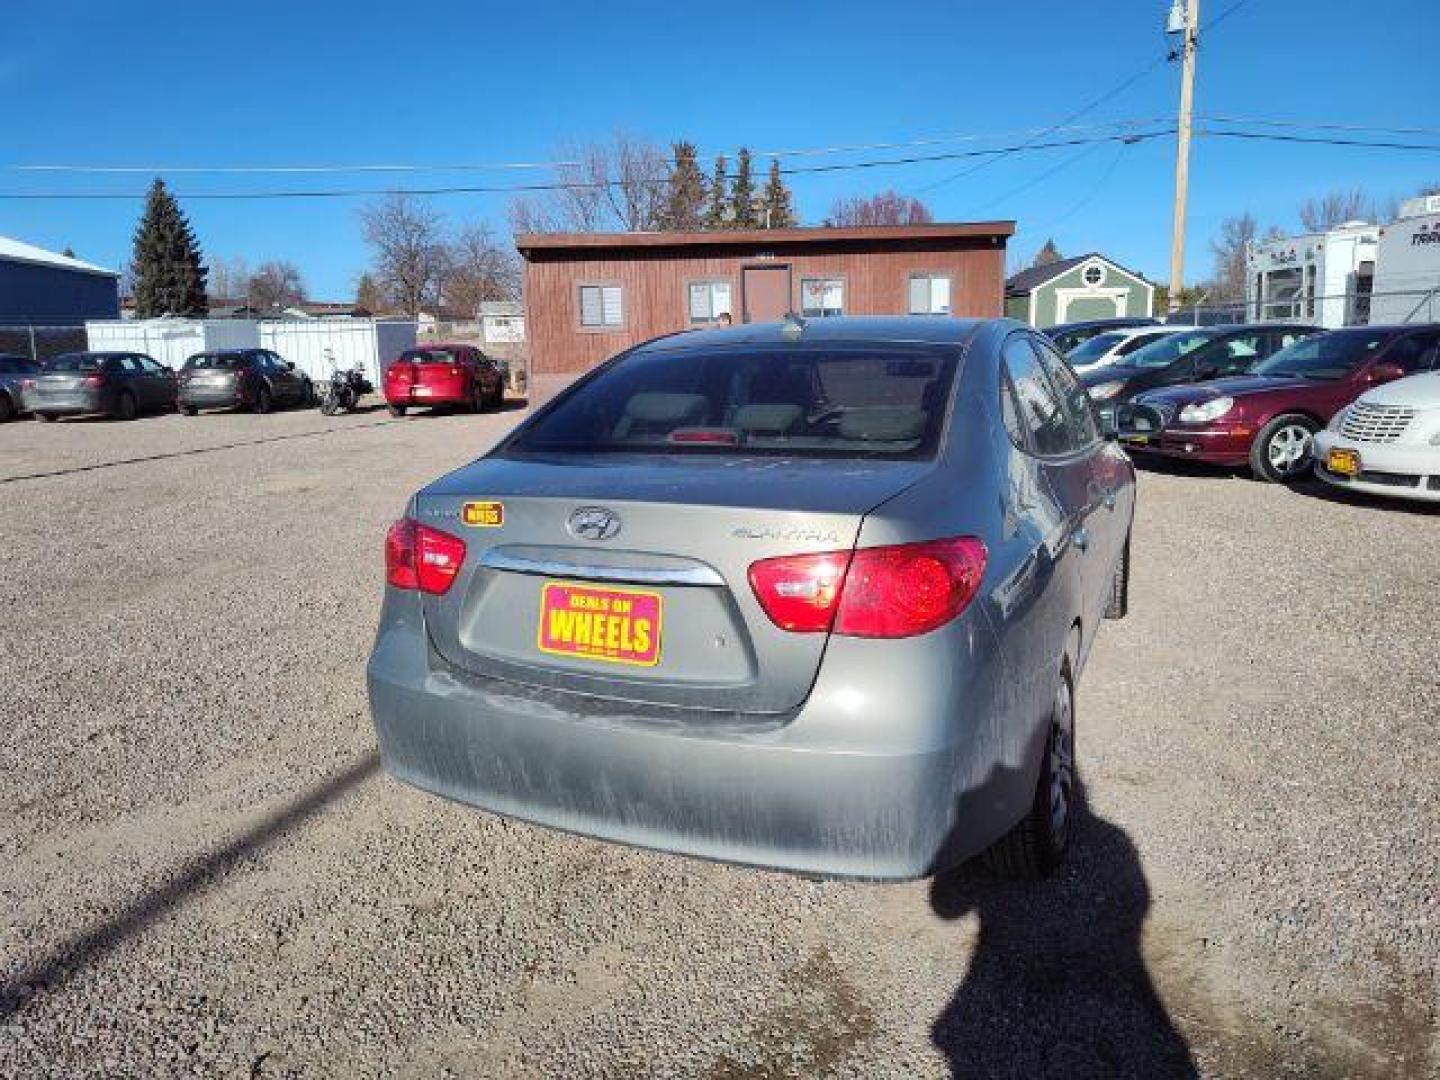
(421, 395)
(824, 791)
(79, 401)
(207, 398)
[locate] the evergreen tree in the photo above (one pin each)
(169, 278)
(684, 209)
(742, 195)
(717, 213)
(778, 210)
(1047, 254)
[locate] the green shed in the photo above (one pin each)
(1071, 290)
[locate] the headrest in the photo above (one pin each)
(771, 418)
(883, 424)
(664, 408)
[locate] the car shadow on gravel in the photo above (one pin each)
(1316, 488)
(1058, 985)
(194, 876)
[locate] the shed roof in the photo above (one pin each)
(1033, 277)
(958, 230)
(12, 250)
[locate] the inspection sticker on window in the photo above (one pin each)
(483, 515)
(621, 626)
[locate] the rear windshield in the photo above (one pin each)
(887, 402)
(1168, 349)
(1326, 356)
(75, 362)
(1094, 349)
(216, 361)
(428, 356)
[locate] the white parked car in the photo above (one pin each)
(1386, 442)
(1114, 345)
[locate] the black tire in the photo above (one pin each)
(328, 405)
(7, 408)
(125, 407)
(45, 417)
(264, 400)
(397, 410)
(1036, 846)
(479, 399)
(189, 410)
(1118, 604)
(1280, 453)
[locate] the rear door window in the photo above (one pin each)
(1041, 411)
(889, 401)
(1079, 413)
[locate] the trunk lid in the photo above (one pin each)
(645, 561)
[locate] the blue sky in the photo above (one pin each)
(165, 85)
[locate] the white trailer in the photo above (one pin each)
(319, 346)
(170, 340)
(1325, 278)
(1407, 279)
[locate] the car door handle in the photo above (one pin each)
(1082, 538)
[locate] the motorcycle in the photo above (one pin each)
(344, 390)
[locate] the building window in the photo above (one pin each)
(1093, 275)
(708, 301)
(600, 306)
(929, 294)
(822, 297)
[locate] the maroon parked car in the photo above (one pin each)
(1266, 419)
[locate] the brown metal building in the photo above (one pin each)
(589, 295)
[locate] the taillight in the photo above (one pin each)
(27, 384)
(403, 370)
(880, 592)
(94, 380)
(419, 557)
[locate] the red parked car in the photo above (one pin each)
(1266, 419)
(454, 375)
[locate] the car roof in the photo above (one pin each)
(844, 329)
(1119, 322)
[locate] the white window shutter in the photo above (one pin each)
(591, 310)
(613, 314)
(919, 296)
(940, 296)
(721, 299)
(699, 302)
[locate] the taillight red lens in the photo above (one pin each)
(419, 557)
(94, 380)
(881, 592)
(800, 592)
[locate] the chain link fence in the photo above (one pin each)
(1352, 308)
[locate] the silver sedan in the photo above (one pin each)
(807, 596)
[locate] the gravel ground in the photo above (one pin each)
(203, 871)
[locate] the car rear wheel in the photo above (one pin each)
(189, 410)
(125, 406)
(1118, 603)
(45, 417)
(7, 408)
(264, 402)
(1281, 452)
(1034, 847)
(397, 410)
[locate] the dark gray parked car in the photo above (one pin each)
(249, 378)
(14, 371)
(810, 596)
(119, 384)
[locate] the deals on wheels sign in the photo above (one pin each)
(618, 625)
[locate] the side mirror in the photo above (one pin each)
(1383, 373)
(289, 365)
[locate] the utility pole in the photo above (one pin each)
(1189, 36)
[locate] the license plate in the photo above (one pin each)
(1343, 462)
(420, 391)
(620, 626)
(1136, 440)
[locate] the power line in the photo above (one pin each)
(1319, 140)
(481, 189)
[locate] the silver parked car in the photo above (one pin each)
(14, 371)
(809, 596)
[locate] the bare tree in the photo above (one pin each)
(275, 285)
(370, 296)
(228, 277)
(620, 185)
(405, 234)
(478, 269)
(1334, 208)
(886, 208)
(1230, 249)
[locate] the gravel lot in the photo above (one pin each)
(203, 871)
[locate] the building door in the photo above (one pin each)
(766, 292)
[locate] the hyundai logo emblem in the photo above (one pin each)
(594, 523)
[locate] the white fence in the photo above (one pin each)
(316, 346)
